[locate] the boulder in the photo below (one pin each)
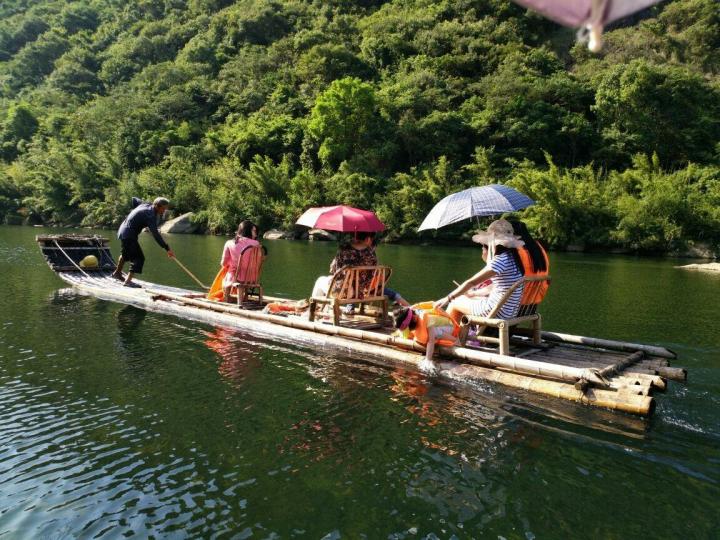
(699, 250)
(180, 225)
(275, 234)
(321, 235)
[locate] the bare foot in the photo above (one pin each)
(117, 275)
(132, 285)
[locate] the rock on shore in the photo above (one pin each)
(275, 234)
(321, 235)
(180, 225)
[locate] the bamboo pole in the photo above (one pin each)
(335, 336)
(617, 367)
(636, 404)
(516, 365)
(601, 343)
(645, 379)
(676, 374)
(375, 352)
(577, 360)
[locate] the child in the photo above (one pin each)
(427, 326)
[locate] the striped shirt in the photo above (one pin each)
(507, 273)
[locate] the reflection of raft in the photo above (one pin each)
(616, 375)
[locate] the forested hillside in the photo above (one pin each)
(260, 108)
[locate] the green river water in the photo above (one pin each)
(116, 422)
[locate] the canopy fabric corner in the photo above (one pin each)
(576, 13)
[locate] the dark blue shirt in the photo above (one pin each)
(143, 215)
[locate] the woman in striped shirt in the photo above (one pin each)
(504, 268)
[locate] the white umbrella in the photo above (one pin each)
(474, 202)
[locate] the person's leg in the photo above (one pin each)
(447, 334)
(462, 305)
(226, 293)
(322, 284)
(137, 261)
(117, 274)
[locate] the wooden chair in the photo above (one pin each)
(534, 289)
(345, 289)
(247, 274)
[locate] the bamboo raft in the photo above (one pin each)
(614, 375)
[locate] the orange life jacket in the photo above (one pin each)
(539, 293)
(420, 333)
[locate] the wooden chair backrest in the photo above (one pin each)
(346, 282)
(249, 266)
(534, 288)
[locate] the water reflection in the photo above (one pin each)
(129, 320)
(238, 358)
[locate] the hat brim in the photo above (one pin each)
(506, 240)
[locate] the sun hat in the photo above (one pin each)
(499, 233)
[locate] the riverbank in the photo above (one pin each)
(696, 251)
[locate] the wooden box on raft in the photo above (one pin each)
(615, 375)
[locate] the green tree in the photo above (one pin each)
(36, 60)
(572, 206)
(666, 110)
(16, 130)
(343, 120)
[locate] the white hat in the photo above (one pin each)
(499, 233)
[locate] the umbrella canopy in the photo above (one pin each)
(341, 218)
(589, 15)
(474, 202)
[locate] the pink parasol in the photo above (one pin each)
(341, 218)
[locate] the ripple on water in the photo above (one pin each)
(116, 421)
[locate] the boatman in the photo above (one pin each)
(143, 215)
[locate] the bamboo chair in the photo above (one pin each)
(247, 274)
(345, 289)
(534, 289)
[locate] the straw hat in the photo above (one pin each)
(499, 233)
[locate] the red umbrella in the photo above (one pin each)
(341, 218)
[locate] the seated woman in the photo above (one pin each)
(504, 267)
(533, 255)
(245, 236)
(535, 264)
(359, 252)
